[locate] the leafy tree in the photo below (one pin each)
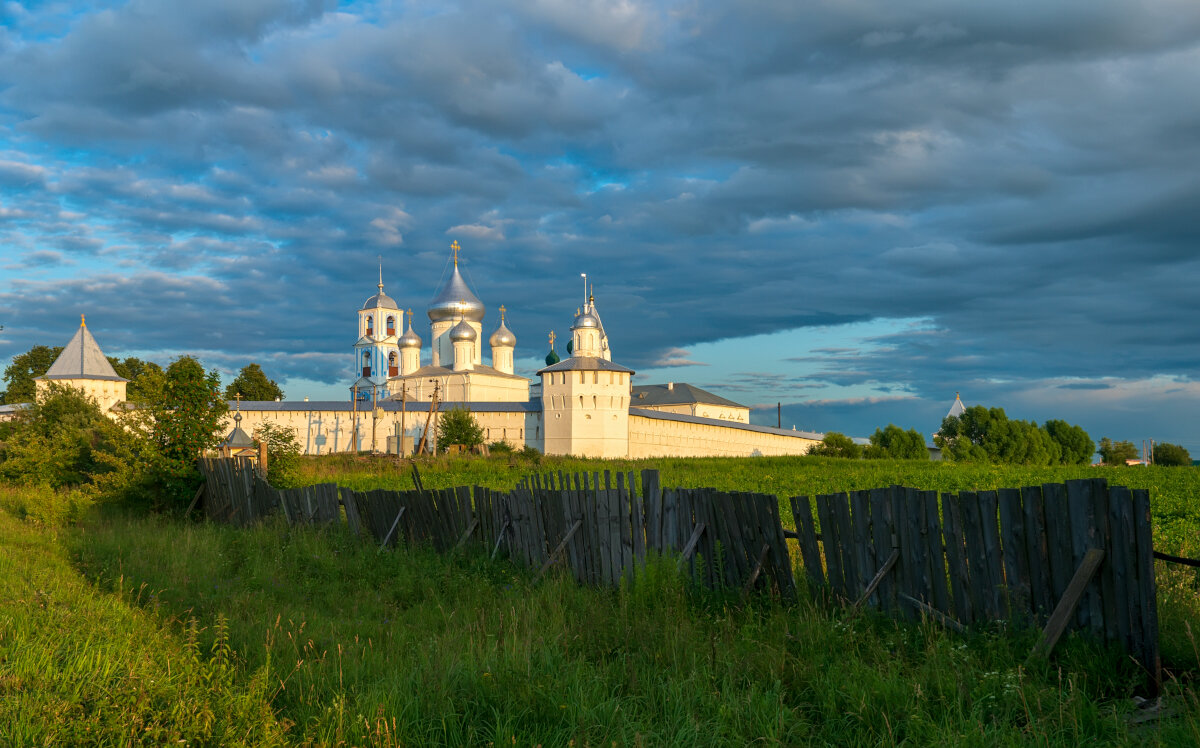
(283, 454)
(144, 377)
(184, 419)
(458, 426)
(897, 444)
(19, 376)
(1077, 447)
(253, 384)
(63, 439)
(837, 445)
(1116, 453)
(1171, 455)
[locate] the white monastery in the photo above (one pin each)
(584, 405)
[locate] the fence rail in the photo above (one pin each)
(1059, 556)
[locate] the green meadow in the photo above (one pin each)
(121, 628)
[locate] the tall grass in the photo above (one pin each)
(412, 647)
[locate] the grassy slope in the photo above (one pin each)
(80, 667)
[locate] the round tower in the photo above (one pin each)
(465, 340)
(503, 342)
(410, 349)
(454, 303)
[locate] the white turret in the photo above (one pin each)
(410, 349)
(503, 342)
(464, 338)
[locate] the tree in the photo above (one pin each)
(1170, 455)
(283, 454)
(458, 426)
(185, 418)
(1077, 447)
(897, 444)
(144, 377)
(1116, 453)
(63, 439)
(837, 445)
(19, 375)
(253, 384)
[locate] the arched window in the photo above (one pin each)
(391, 325)
(370, 326)
(366, 363)
(392, 370)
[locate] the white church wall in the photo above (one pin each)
(660, 437)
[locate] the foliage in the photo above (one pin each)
(500, 448)
(987, 435)
(1171, 455)
(837, 445)
(19, 376)
(283, 454)
(64, 440)
(1116, 453)
(1076, 446)
(145, 378)
(552, 663)
(458, 426)
(253, 384)
(183, 420)
(897, 444)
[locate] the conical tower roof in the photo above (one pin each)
(957, 409)
(82, 359)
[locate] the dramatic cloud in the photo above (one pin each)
(1016, 178)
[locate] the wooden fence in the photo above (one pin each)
(1060, 556)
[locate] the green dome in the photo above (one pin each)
(570, 346)
(552, 358)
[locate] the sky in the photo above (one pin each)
(852, 210)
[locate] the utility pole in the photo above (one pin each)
(354, 405)
(403, 413)
(376, 412)
(778, 415)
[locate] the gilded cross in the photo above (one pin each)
(454, 246)
(238, 397)
(410, 318)
(552, 336)
(502, 311)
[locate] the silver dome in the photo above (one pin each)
(463, 331)
(503, 337)
(586, 319)
(410, 339)
(454, 299)
(381, 300)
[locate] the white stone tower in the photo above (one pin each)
(503, 342)
(585, 399)
(453, 302)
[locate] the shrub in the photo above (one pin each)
(837, 445)
(1171, 455)
(897, 444)
(458, 426)
(283, 454)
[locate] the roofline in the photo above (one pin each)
(663, 415)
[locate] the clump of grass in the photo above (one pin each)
(44, 506)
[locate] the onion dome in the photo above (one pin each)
(410, 339)
(503, 336)
(570, 346)
(463, 331)
(455, 298)
(552, 358)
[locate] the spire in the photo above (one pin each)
(380, 257)
(82, 321)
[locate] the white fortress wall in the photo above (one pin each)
(655, 433)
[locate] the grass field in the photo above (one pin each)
(126, 629)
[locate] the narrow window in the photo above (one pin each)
(391, 325)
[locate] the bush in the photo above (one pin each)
(458, 426)
(897, 444)
(500, 448)
(837, 445)
(283, 454)
(1171, 455)
(1116, 453)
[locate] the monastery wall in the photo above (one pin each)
(660, 434)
